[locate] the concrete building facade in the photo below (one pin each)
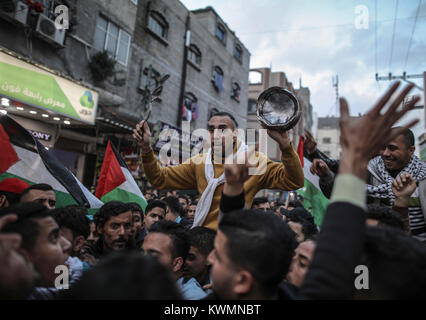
(206, 62)
(328, 137)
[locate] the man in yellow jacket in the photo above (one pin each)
(192, 174)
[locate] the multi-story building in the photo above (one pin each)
(262, 79)
(206, 63)
(328, 137)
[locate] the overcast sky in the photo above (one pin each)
(316, 39)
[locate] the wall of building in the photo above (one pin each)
(331, 149)
(328, 136)
(168, 57)
(120, 95)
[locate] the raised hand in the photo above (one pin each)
(280, 136)
(320, 168)
(9, 240)
(237, 173)
(142, 135)
(403, 187)
(309, 142)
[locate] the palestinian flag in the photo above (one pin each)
(313, 198)
(115, 182)
(25, 158)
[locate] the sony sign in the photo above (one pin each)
(41, 135)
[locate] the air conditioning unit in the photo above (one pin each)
(46, 28)
(14, 11)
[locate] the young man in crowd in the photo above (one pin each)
(11, 190)
(201, 243)
(302, 259)
(261, 203)
(74, 224)
(395, 262)
(137, 223)
(301, 222)
(223, 130)
(113, 224)
(252, 254)
(175, 211)
(393, 160)
(40, 193)
(154, 211)
(191, 211)
(44, 245)
(93, 235)
(184, 202)
(168, 242)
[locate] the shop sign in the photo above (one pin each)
(34, 86)
(41, 135)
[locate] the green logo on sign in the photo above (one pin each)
(87, 100)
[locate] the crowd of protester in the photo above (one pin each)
(244, 247)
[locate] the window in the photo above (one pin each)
(220, 32)
(255, 77)
(218, 78)
(135, 2)
(326, 140)
(114, 40)
(190, 107)
(157, 24)
(238, 53)
(236, 90)
(194, 55)
(252, 105)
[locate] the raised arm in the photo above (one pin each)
(403, 187)
(342, 234)
(233, 190)
(311, 152)
(287, 175)
(176, 177)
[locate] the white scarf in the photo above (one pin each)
(205, 202)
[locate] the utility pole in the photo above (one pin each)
(185, 62)
(336, 85)
(404, 77)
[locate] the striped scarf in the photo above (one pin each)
(376, 166)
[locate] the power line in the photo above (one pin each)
(411, 37)
(393, 35)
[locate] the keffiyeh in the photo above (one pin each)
(376, 166)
